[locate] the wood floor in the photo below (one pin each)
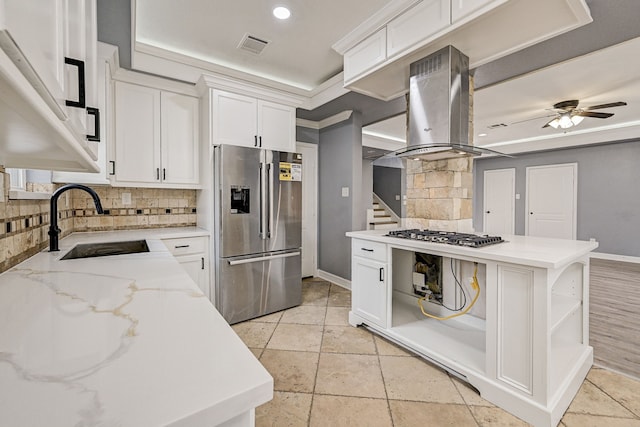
(615, 315)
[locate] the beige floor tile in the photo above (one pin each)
(293, 371)
(285, 410)
(583, 420)
(470, 396)
(625, 390)
(413, 379)
(591, 400)
(387, 348)
(339, 411)
(421, 414)
(269, 318)
(347, 339)
(296, 337)
(339, 299)
(338, 316)
(304, 315)
(349, 375)
(315, 293)
(254, 334)
(492, 417)
(257, 352)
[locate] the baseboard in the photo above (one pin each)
(614, 257)
(334, 279)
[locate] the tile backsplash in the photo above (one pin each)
(24, 224)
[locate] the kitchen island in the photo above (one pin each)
(126, 340)
(523, 344)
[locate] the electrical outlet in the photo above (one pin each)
(126, 198)
(345, 191)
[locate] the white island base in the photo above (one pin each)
(523, 345)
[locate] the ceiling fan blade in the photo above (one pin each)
(548, 123)
(564, 105)
(595, 115)
(610, 105)
(533, 118)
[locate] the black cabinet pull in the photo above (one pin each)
(260, 139)
(202, 265)
(80, 103)
(158, 174)
(181, 246)
(381, 274)
(368, 250)
(164, 174)
(255, 140)
(113, 167)
(96, 129)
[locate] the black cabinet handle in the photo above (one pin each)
(96, 129)
(164, 174)
(158, 174)
(381, 274)
(181, 246)
(80, 103)
(113, 167)
(255, 140)
(260, 139)
(202, 263)
(368, 250)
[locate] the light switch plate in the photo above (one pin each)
(345, 191)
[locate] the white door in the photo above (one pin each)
(179, 147)
(234, 119)
(499, 201)
(551, 201)
(309, 207)
(276, 126)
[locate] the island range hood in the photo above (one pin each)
(439, 108)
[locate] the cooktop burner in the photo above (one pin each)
(449, 237)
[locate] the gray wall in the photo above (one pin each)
(312, 136)
(387, 183)
(367, 187)
(114, 27)
(339, 165)
(608, 195)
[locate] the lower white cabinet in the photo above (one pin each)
(369, 281)
(193, 255)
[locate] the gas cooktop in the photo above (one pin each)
(448, 237)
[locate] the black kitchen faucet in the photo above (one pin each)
(54, 231)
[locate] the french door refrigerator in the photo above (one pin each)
(257, 231)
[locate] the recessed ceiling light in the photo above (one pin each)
(482, 134)
(281, 12)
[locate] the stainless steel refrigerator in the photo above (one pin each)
(257, 231)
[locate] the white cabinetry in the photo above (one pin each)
(462, 8)
(193, 255)
(426, 18)
(369, 281)
(367, 54)
(247, 121)
(156, 138)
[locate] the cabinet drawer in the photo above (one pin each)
(370, 250)
(186, 245)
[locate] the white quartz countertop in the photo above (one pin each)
(126, 340)
(525, 250)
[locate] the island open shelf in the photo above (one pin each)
(523, 344)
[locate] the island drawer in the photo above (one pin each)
(186, 245)
(370, 250)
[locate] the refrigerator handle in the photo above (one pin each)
(263, 201)
(270, 211)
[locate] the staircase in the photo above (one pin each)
(379, 218)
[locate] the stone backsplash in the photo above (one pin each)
(24, 224)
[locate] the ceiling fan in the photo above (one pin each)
(570, 115)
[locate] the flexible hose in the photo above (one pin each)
(474, 285)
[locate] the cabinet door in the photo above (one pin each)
(196, 267)
(369, 290)
(276, 126)
(416, 24)
(234, 119)
(179, 122)
(462, 8)
(137, 133)
(37, 26)
(365, 55)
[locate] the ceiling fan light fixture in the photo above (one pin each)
(564, 121)
(576, 120)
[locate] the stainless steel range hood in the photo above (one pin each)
(439, 108)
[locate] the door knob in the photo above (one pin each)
(488, 212)
(530, 213)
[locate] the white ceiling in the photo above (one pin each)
(299, 53)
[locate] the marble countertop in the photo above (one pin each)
(126, 340)
(525, 250)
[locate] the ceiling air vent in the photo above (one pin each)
(253, 44)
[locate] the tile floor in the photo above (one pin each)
(327, 373)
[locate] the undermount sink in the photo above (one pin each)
(89, 250)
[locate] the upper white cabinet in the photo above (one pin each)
(426, 18)
(48, 77)
(156, 138)
(462, 8)
(251, 122)
(484, 30)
